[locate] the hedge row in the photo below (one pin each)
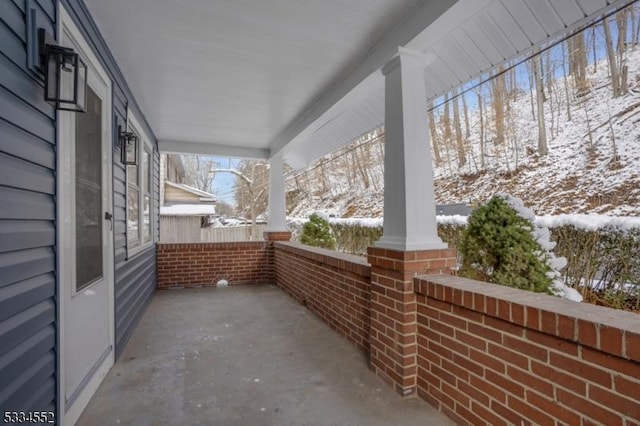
(603, 263)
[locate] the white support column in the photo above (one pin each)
(409, 201)
(277, 211)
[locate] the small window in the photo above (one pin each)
(139, 200)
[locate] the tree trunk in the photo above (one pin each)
(622, 22)
(611, 56)
(636, 34)
(548, 78)
(446, 121)
(531, 85)
(594, 48)
(462, 158)
(498, 88)
(434, 134)
(542, 131)
(465, 109)
(634, 24)
(578, 62)
(481, 110)
(565, 78)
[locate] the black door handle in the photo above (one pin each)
(108, 216)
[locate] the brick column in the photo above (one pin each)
(393, 344)
(270, 238)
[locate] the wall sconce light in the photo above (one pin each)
(65, 75)
(128, 148)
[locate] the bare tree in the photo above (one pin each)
(481, 111)
(578, 61)
(611, 57)
(462, 157)
(548, 65)
(622, 22)
(465, 109)
(435, 142)
(252, 185)
(565, 79)
(543, 148)
(498, 95)
(198, 171)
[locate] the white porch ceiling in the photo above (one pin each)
(299, 78)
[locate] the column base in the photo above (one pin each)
(394, 324)
(404, 244)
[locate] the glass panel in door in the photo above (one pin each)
(88, 208)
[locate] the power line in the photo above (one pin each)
(534, 54)
(379, 134)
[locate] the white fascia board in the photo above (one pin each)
(404, 33)
(216, 150)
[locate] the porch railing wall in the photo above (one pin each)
(336, 286)
(489, 354)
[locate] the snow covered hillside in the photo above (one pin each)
(593, 164)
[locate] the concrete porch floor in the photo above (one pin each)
(246, 355)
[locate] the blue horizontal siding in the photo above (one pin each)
(21, 174)
(24, 86)
(28, 329)
(20, 204)
(135, 286)
(24, 234)
(27, 220)
(19, 143)
(19, 296)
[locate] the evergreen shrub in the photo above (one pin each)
(317, 232)
(499, 246)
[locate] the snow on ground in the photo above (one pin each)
(591, 222)
(188, 210)
(600, 174)
(580, 175)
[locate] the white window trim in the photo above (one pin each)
(144, 143)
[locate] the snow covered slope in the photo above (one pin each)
(583, 174)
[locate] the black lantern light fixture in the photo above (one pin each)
(128, 148)
(65, 75)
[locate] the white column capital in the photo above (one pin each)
(407, 55)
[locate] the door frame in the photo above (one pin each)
(66, 26)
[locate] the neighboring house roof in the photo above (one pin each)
(188, 210)
(204, 196)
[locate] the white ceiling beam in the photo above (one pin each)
(212, 149)
(401, 35)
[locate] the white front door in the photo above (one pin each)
(86, 237)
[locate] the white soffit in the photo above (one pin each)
(470, 38)
(230, 77)
(300, 78)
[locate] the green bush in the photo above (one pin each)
(498, 246)
(355, 239)
(593, 255)
(317, 233)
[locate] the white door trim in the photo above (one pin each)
(67, 27)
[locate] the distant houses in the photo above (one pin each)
(184, 209)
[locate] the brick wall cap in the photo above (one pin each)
(221, 245)
(331, 257)
(602, 317)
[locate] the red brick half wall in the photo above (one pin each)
(335, 286)
(204, 264)
(489, 354)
